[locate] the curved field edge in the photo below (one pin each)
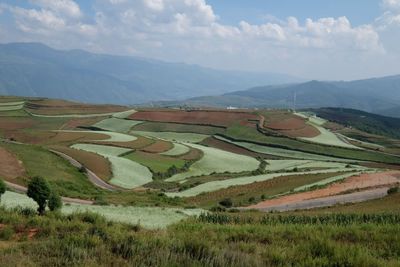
(173, 136)
(148, 217)
(116, 125)
(216, 161)
(217, 185)
(113, 136)
(125, 173)
(177, 150)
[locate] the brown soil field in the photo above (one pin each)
(158, 146)
(61, 107)
(74, 123)
(193, 154)
(10, 167)
(96, 163)
(362, 181)
(212, 118)
(74, 137)
(139, 143)
(307, 131)
(213, 142)
(7, 123)
(290, 125)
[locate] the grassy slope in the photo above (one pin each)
(252, 135)
(87, 240)
(62, 176)
(177, 127)
(155, 162)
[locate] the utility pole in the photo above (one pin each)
(294, 101)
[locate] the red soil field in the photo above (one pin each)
(158, 146)
(74, 123)
(139, 143)
(290, 125)
(10, 166)
(362, 181)
(94, 162)
(74, 137)
(57, 107)
(7, 123)
(193, 154)
(214, 118)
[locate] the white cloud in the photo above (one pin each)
(189, 30)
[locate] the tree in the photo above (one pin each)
(39, 191)
(227, 203)
(55, 202)
(2, 188)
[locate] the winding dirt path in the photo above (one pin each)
(97, 181)
(366, 182)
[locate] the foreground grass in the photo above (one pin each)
(88, 240)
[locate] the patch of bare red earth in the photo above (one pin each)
(292, 126)
(10, 166)
(213, 118)
(363, 181)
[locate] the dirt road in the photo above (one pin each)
(97, 181)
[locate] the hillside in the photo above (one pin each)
(33, 69)
(381, 95)
(367, 122)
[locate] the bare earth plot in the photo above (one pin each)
(10, 166)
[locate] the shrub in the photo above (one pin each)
(2, 188)
(393, 190)
(6, 233)
(55, 202)
(227, 203)
(39, 191)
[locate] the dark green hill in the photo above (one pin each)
(364, 121)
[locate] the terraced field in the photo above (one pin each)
(126, 173)
(176, 158)
(216, 161)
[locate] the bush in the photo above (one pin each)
(2, 188)
(227, 203)
(393, 190)
(55, 202)
(6, 233)
(39, 191)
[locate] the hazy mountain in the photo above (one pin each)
(379, 95)
(32, 69)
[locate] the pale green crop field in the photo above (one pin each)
(11, 107)
(172, 136)
(178, 149)
(148, 217)
(114, 137)
(116, 125)
(18, 103)
(126, 173)
(72, 115)
(222, 184)
(218, 161)
(280, 152)
(327, 138)
(123, 114)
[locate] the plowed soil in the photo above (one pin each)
(213, 118)
(10, 166)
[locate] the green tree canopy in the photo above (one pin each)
(39, 191)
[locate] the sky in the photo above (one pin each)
(311, 39)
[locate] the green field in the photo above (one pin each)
(149, 217)
(62, 176)
(155, 162)
(116, 125)
(251, 135)
(216, 161)
(177, 150)
(126, 173)
(114, 136)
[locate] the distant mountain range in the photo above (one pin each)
(378, 95)
(33, 69)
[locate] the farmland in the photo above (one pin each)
(157, 168)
